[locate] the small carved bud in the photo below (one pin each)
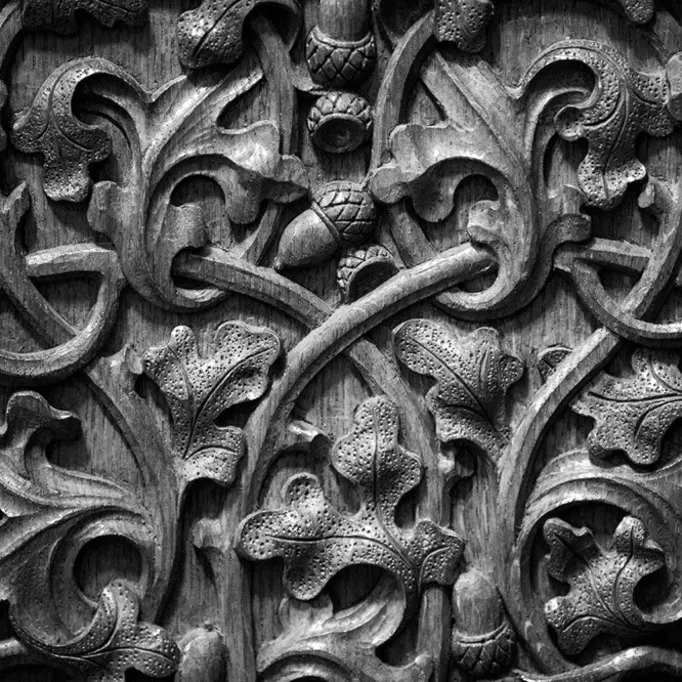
(483, 641)
(340, 121)
(204, 657)
(361, 270)
(673, 71)
(342, 214)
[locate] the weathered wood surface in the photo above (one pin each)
(340, 340)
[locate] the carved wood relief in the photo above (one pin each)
(340, 340)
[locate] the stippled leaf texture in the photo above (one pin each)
(114, 641)
(472, 379)
(199, 387)
(632, 414)
(602, 581)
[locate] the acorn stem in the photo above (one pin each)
(344, 19)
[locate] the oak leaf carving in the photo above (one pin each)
(199, 388)
(602, 581)
(472, 379)
(632, 414)
(316, 540)
(60, 15)
(212, 33)
(113, 642)
(68, 145)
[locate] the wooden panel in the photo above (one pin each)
(340, 340)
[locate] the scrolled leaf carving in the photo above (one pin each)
(344, 641)
(602, 581)
(472, 379)
(113, 642)
(624, 103)
(633, 413)
(200, 387)
(40, 501)
(316, 541)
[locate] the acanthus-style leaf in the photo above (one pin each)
(38, 500)
(472, 379)
(212, 33)
(345, 640)
(60, 15)
(42, 507)
(316, 541)
(624, 103)
(602, 582)
(632, 414)
(113, 642)
(199, 389)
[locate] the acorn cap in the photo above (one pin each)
(338, 63)
(348, 210)
(362, 270)
(339, 121)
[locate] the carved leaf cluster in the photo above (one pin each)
(199, 388)
(602, 581)
(472, 379)
(114, 641)
(632, 414)
(316, 541)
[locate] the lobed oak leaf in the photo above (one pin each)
(200, 388)
(60, 15)
(632, 414)
(602, 581)
(472, 379)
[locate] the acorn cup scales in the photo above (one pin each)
(342, 214)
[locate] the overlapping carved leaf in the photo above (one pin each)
(172, 134)
(316, 541)
(624, 103)
(602, 581)
(199, 388)
(632, 414)
(113, 642)
(472, 379)
(329, 642)
(212, 33)
(60, 15)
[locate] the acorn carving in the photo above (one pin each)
(342, 214)
(483, 640)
